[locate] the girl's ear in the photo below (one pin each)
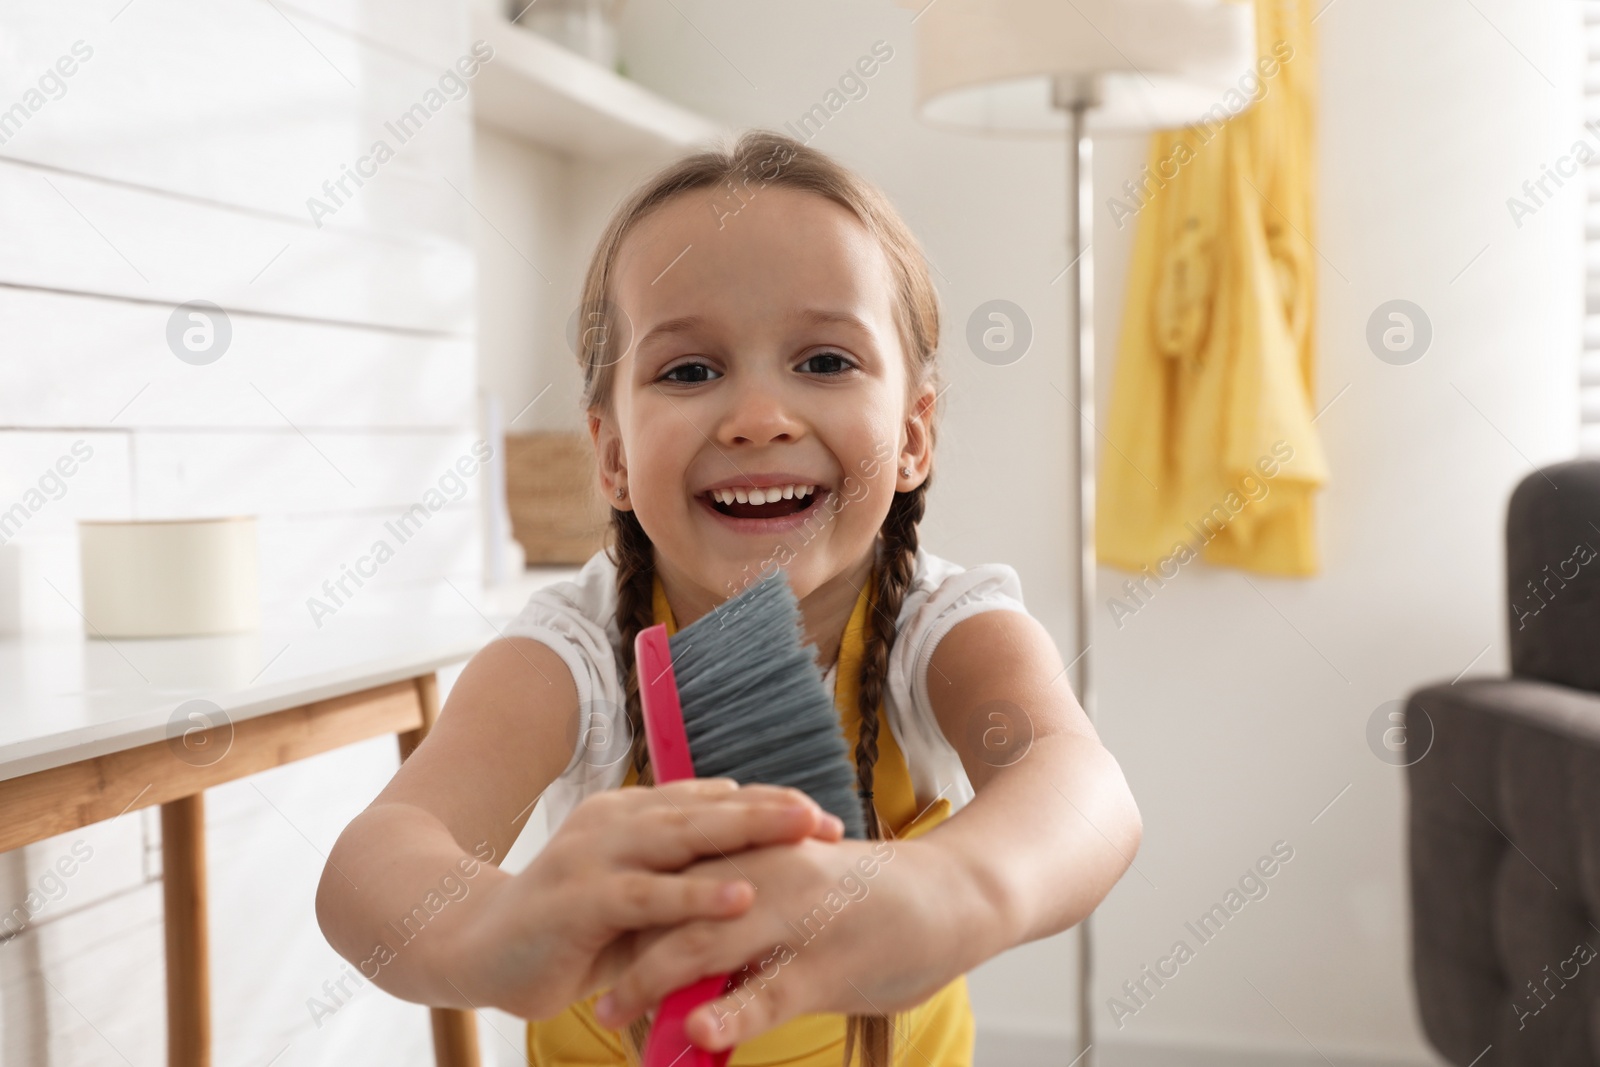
(917, 453)
(611, 464)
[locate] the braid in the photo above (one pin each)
(893, 576)
(892, 581)
(634, 557)
(635, 560)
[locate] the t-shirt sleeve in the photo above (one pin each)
(987, 587)
(956, 594)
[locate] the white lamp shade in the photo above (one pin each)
(990, 66)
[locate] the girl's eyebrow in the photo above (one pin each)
(823, 317)
(681, 324)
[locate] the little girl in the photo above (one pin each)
(759, 360)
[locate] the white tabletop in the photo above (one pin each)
(65, 698)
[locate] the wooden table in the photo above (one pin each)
(93, 729)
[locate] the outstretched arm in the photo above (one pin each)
(1053, 825)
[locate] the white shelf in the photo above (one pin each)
(536, 90)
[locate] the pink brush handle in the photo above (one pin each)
(668, 1045)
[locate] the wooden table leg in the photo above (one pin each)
(455, 1030)
(428, 698)
(183, 857)
(455, 1037)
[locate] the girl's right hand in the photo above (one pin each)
(564, 927)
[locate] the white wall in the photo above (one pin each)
(1239, 712)
(175, 164)
(348, 384)
(526, 271)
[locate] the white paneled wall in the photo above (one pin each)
(307, 167)
(196, 154)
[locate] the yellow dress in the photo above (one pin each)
(936, 1033)
(1214, 447)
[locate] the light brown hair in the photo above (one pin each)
(727, 176)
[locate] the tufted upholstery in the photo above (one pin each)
(1505, 807)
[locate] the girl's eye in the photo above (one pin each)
(693, 372)
(833, 363)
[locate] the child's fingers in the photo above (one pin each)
(637, 900)
(700, 789)
(673, 836)
(699, 786)
(666, 834)
(755, 1006)
(688, 953)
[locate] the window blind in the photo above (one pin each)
(1589, 362)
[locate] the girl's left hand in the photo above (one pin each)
(847, 927)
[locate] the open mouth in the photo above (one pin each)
(773, 502)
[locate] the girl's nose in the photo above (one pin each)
(757, 414)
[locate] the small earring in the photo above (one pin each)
(905, 472)
(621, 492)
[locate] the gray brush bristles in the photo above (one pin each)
(755, 705)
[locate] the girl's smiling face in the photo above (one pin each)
(764, 352)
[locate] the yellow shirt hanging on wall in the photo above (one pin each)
(1213, 449)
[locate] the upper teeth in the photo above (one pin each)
(761, 496)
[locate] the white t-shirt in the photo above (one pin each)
(578, 620)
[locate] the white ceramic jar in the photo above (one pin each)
(169, 577)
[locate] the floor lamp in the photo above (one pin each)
(1044, 67)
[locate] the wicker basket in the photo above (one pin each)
(553, 496)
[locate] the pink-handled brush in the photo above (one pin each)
(737, 694)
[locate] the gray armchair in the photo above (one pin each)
(1504, 800)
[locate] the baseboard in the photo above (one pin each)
(1013, 1049)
